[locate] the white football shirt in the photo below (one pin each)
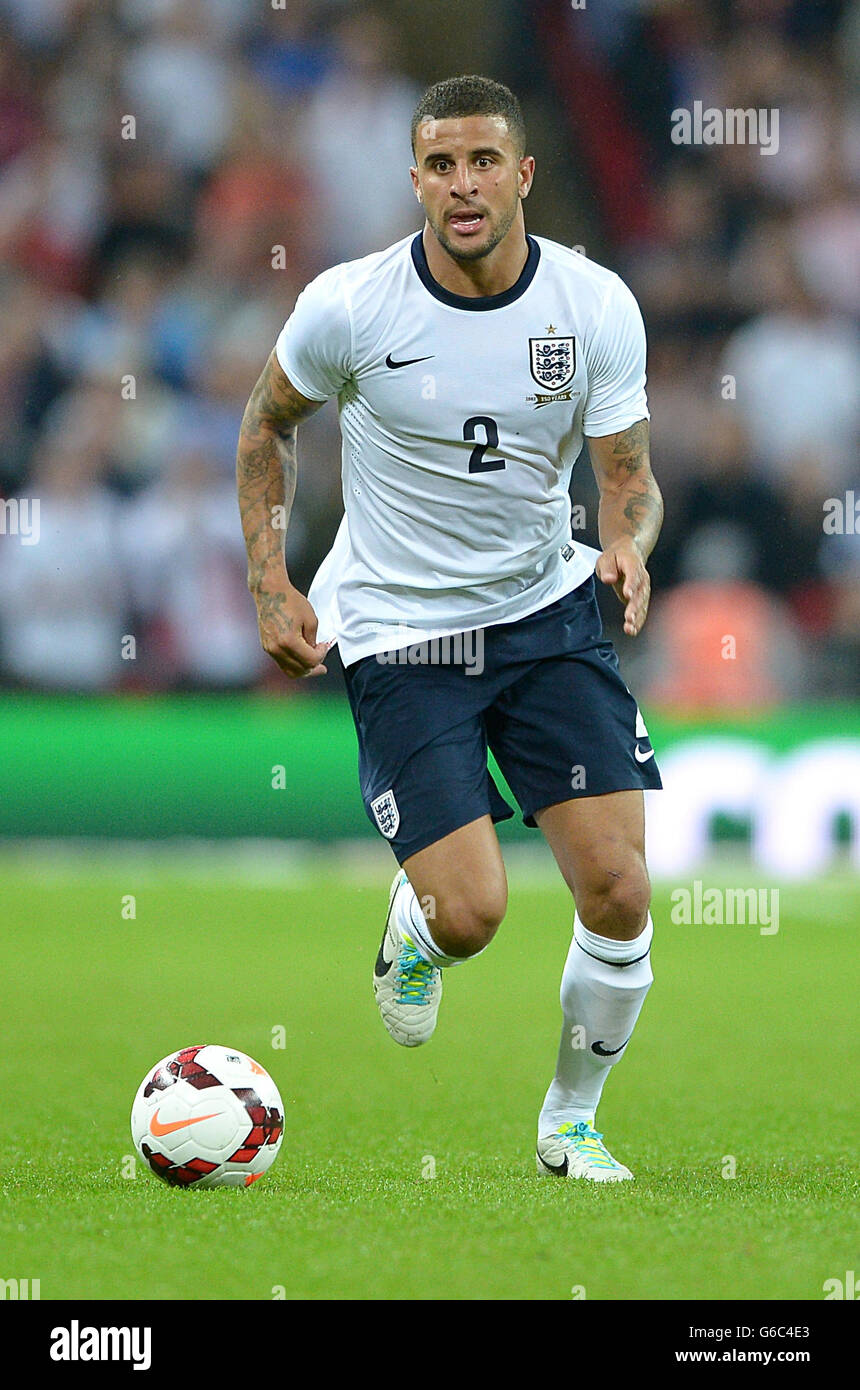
(461, 421)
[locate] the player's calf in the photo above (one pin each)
(407, 987)
(415, 949)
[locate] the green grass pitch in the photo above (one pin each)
(745, 1049)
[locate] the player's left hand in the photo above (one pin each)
(622, 566)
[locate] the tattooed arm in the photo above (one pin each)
(629, 519)
(266, 479)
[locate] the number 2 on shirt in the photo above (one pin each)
(477, 462)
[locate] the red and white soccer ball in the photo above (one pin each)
(208, 1116)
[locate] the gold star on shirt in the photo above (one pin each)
(551, 328)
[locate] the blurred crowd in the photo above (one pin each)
(172, 172)
(748, 273)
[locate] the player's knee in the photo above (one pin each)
(616, 904)
(464, 926)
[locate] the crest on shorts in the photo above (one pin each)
(386, 814)
(553, 361)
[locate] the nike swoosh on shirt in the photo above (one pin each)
(607, 1051)
(157, 1129)
(410, 362)
(640, 756)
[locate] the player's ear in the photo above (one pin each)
(526, 175)
(413, 174)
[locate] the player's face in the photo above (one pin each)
(470, 178)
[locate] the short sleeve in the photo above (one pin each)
(615, 362)
(314, 345)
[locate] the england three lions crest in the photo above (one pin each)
(552, 362)
(386, 814)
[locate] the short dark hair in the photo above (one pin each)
(471, 96)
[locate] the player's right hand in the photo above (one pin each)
(288, 629)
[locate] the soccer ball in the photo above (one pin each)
(208, 1117)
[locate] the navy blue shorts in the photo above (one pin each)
(544, 693)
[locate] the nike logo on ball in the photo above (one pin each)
(157, 1129)
(608, 1051)
(410, 362)
(640, 756)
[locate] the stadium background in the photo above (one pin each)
(145, 279)
(147, 267)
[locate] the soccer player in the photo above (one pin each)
(468, 362)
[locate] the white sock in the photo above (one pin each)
(603, 988)
(410, 921)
